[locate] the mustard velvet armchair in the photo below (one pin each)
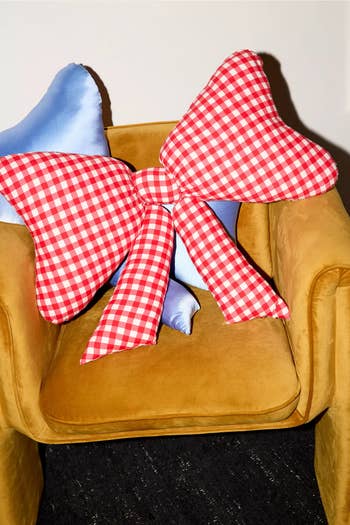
(259, 374)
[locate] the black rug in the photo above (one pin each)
(249, 478)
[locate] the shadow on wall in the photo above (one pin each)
(106, 101)
(289, 115)
(286, 109)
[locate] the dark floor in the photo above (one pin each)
(251, 478)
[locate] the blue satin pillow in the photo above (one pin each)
(67, 119)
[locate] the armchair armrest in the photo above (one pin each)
(27, 341)
(310, 254)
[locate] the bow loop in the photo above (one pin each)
(84, 216)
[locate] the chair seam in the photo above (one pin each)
(172, 416)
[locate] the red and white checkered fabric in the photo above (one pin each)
(232, 144)
(239, 290)
(132, 316)
(86, 213)
(84, 216)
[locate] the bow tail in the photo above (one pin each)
(237, 287)
(132, 315)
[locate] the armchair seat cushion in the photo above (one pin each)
(221, 375)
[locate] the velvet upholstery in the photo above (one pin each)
(259, 374)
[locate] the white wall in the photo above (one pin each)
(155, 56)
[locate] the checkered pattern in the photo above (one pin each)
(156, 185)
(132, 316)
(232, 145)
(240, 291)
(83, 214)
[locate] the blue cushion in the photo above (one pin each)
(67, 119)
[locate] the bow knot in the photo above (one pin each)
(156, 186)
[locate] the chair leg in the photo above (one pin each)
(21, 479)
(332, 464)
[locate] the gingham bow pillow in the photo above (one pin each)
(87, 212)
